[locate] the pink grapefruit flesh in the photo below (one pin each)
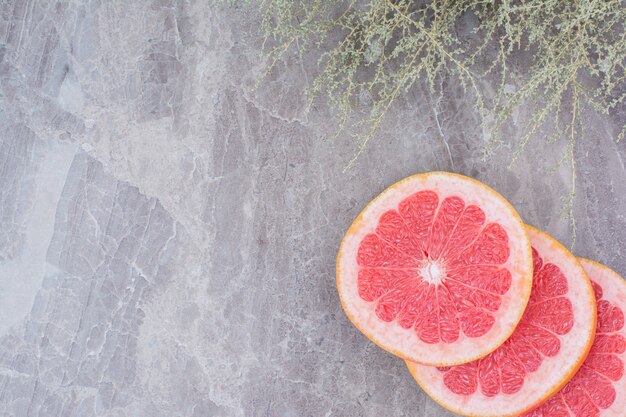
(437, 269)
(599, 387)
(545, 351)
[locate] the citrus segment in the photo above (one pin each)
(437, 269)
(599, 387)
(545, 350)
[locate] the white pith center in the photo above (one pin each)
(433, 272)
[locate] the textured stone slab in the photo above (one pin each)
(168, 233)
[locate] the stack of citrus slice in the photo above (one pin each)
(493, 317)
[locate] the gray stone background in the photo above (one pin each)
(168, 234)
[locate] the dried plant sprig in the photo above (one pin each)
(378, 49)
(372, 51)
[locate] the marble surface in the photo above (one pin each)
(168, 233)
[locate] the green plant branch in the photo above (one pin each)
(371, 51)
(379, 118)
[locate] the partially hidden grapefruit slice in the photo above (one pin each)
(437, 269)
(545, 351)
(599, 387)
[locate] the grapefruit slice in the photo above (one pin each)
(599, 387)
(545, 351)
(437, 269)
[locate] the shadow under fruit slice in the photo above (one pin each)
(437, 269)
(599, 387)
(545, 351)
